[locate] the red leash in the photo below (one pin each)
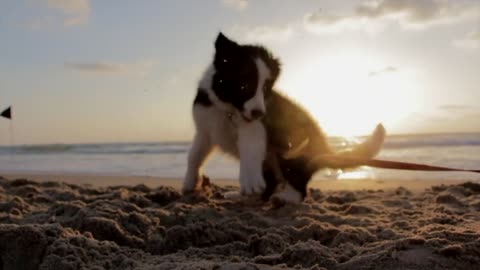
(386, 164)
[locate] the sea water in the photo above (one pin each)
(170, 159)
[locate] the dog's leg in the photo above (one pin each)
(201, 148)
(272, 174)
(298, 174)
(252, 145)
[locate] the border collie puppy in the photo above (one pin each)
(278, 143)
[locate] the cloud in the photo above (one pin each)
(75, 12)
(322, 22)
(388, 69)
(139, 68)
(263, 33)
(453, 107)
(52, 13)
(411, 11)
(236, 4)
(96, 67)
(409, 14)
(70, 6)
(475, 116)
(470, 41)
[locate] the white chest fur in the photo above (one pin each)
(220, 128)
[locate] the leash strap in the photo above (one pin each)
(387, 164)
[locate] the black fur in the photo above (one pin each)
(236, 77)
(297, 172)
(202, 98)
(270, 180)
(288, 125)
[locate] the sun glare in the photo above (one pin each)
(350, 93)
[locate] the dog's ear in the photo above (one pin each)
(223, 43)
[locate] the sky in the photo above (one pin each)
(82, 71)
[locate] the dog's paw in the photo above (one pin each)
(252, 184)
(232, 195)
(287, 195)
(190, 190)
(193, 184)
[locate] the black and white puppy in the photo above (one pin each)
(278, 143)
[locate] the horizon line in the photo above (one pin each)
(189, 141)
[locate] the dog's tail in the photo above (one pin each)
(351, 158)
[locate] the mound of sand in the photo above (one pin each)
(53, 225)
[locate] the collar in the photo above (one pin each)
(232, 118)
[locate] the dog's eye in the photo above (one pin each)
(243, 87)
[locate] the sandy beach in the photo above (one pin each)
(106, 222)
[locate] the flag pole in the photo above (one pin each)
(11, 139)
(7, 113)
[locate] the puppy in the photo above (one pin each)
(278, 143)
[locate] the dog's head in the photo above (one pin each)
(243, 76)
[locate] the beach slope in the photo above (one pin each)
(56, 225)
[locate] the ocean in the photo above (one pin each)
(169, 159)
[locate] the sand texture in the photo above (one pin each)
(54, 225)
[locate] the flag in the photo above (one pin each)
(7, 113)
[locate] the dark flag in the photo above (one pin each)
(7, 113)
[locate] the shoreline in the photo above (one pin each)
(96, 180)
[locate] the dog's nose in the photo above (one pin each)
(256, 114)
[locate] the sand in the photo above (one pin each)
(48, 222)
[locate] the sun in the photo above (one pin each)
(350, 93)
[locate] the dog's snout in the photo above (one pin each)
(256, 113)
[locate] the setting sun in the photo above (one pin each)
(350, 92)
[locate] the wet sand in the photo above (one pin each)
(107, 222)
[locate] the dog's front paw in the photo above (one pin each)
(189, 190)
(252, 184)
(232, 195)
(193, 184)
(287, 195)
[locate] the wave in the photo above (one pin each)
(392, 142)
(414, 141)
(106, 148)
(436, 140)
(53, 148)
